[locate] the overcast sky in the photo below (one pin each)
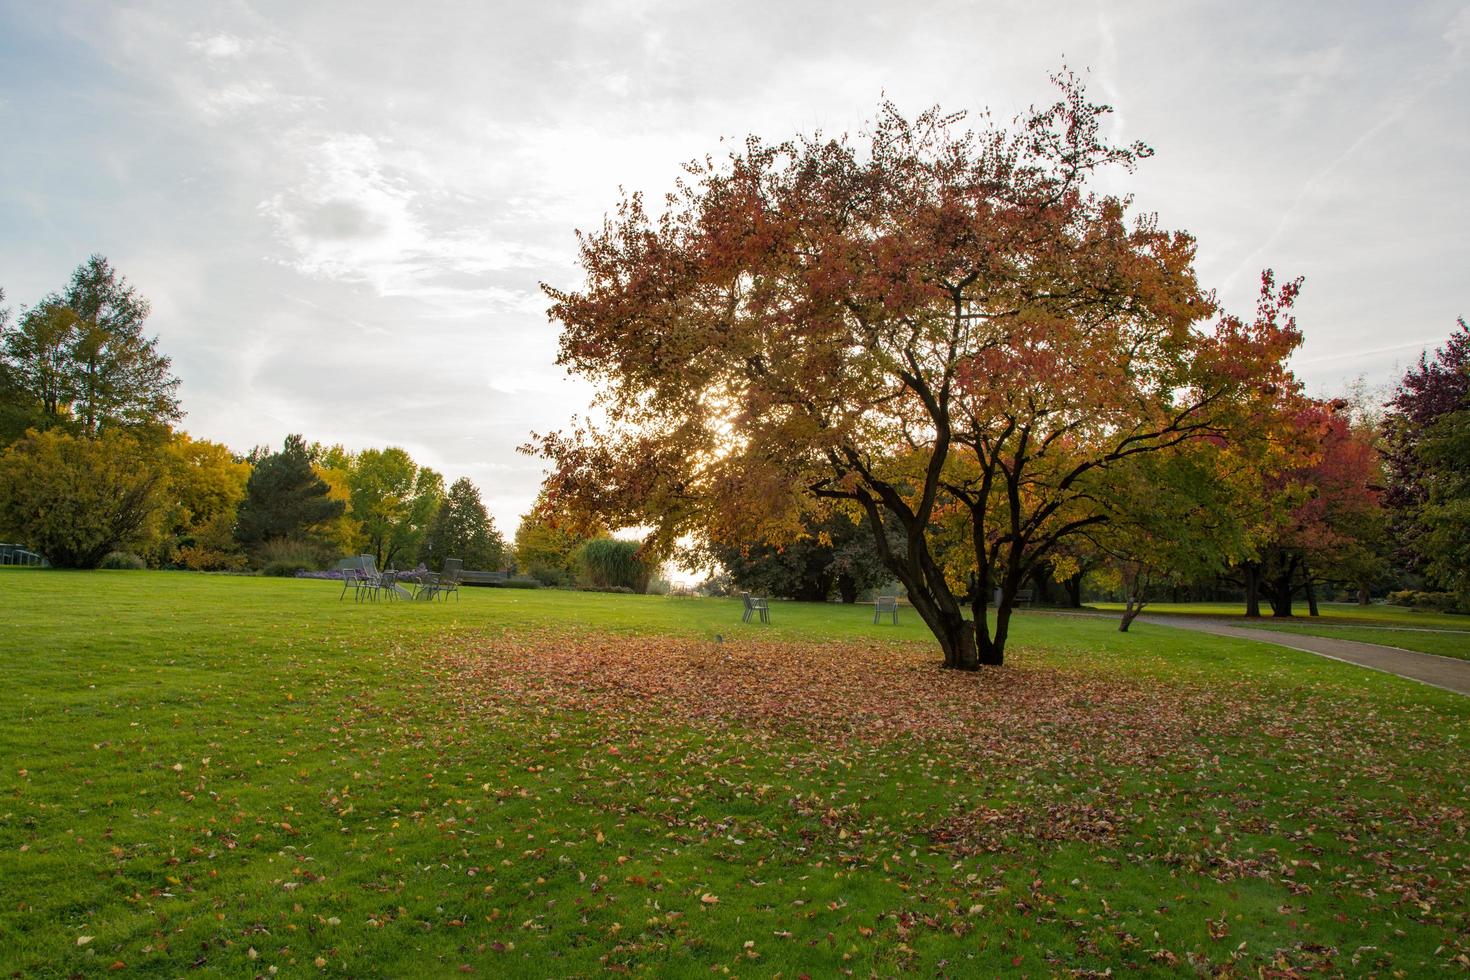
(341, 210)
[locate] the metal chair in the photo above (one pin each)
(370, 581)
(753, 605)
(351, 576)
(425, 585)
(887, 605)
(388, 583)
(450, 577)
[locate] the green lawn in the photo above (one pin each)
(1397, 626)
(229, 776)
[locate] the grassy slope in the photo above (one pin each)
(1397, 626)
(236, 774)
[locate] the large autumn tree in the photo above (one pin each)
(948, 329)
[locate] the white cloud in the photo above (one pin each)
(365, 211)
(218, 47)
(1458, 32)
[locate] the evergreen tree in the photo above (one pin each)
(284, 498)
(80, 359)
(120, 378)
(463, 529)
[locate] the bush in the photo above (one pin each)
(718, 586)
(201, 559)
(122, 560)
(547, 575)
(282, 569)
(621, 589)
(1448, 602)
(309, 556)
(74, 500)
(608, 563)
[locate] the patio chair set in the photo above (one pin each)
(367, 583)
(754, 606)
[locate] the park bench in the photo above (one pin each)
(1023, 597)
(484, 578)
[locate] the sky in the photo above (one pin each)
(342, 211)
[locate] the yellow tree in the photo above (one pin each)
(206, 484)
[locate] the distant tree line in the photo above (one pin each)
(94, 466)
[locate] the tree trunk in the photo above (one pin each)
(957, 640)
(931, 599)
(992, 651)
(1042, 580)
(1280, 595)
(1135, 594)
(847, 588)
(1130, 613)
(1311, 598)
(1364, 598)
(1073, 585)
(1252, 590)
(1280, 584)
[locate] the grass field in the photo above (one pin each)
(1397, 626)
(235, 777)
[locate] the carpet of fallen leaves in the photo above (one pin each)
(1165, 775)
(835, 693)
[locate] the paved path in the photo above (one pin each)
(1427, 668)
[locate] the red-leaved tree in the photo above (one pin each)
(943, 330)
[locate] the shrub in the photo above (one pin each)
(202, 559)
(547, 575)
(74, 499)
(622, 589)
(282, 569)
(608, 563)
(122, 560)
(305, 555)
(717, 586)
(1448, 602)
